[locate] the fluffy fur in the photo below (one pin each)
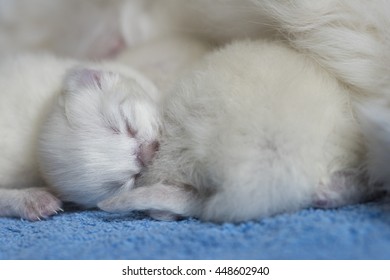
(350, 39)
(217, 21)
(164, 60)
(90, 127)
(257, 129)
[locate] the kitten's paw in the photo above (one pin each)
(38, 203)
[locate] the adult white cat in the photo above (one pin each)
(255, 130)
(96, 126)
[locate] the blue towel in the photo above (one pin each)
(353, 232)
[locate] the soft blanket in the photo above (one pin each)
(353, 232)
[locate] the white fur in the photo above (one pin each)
(352, 40)
(217, 21)
(257, 129)
(349, 38)
(95, 126)
(82, 29)
(164, 60)
(99, 135)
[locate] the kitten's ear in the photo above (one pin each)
(80, 77)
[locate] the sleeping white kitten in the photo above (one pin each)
(103, 116)
(255, 130)
(103, 130)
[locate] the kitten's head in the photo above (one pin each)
(100, 134)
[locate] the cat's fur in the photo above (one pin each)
(164, 60)
(102, 115)
(217, 21)
(82, 29)
(257, 129)
(96, 135)
(349, 38)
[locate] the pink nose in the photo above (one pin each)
(147, 152)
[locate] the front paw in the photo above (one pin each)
(38, 203)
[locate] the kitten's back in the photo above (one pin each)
(260, 126)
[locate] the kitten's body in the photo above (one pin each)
(350, 39)
(256, 129)
(34, 85)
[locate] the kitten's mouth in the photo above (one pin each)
(147, 152)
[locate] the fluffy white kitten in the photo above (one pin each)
(91, 128)
(255, 130)
(349, 38)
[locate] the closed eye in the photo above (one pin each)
(130, 130)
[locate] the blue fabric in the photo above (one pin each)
(353, 232)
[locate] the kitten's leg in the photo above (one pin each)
(163, 202)
(344, 188)
(31, 204)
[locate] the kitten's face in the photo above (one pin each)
(100, 135)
